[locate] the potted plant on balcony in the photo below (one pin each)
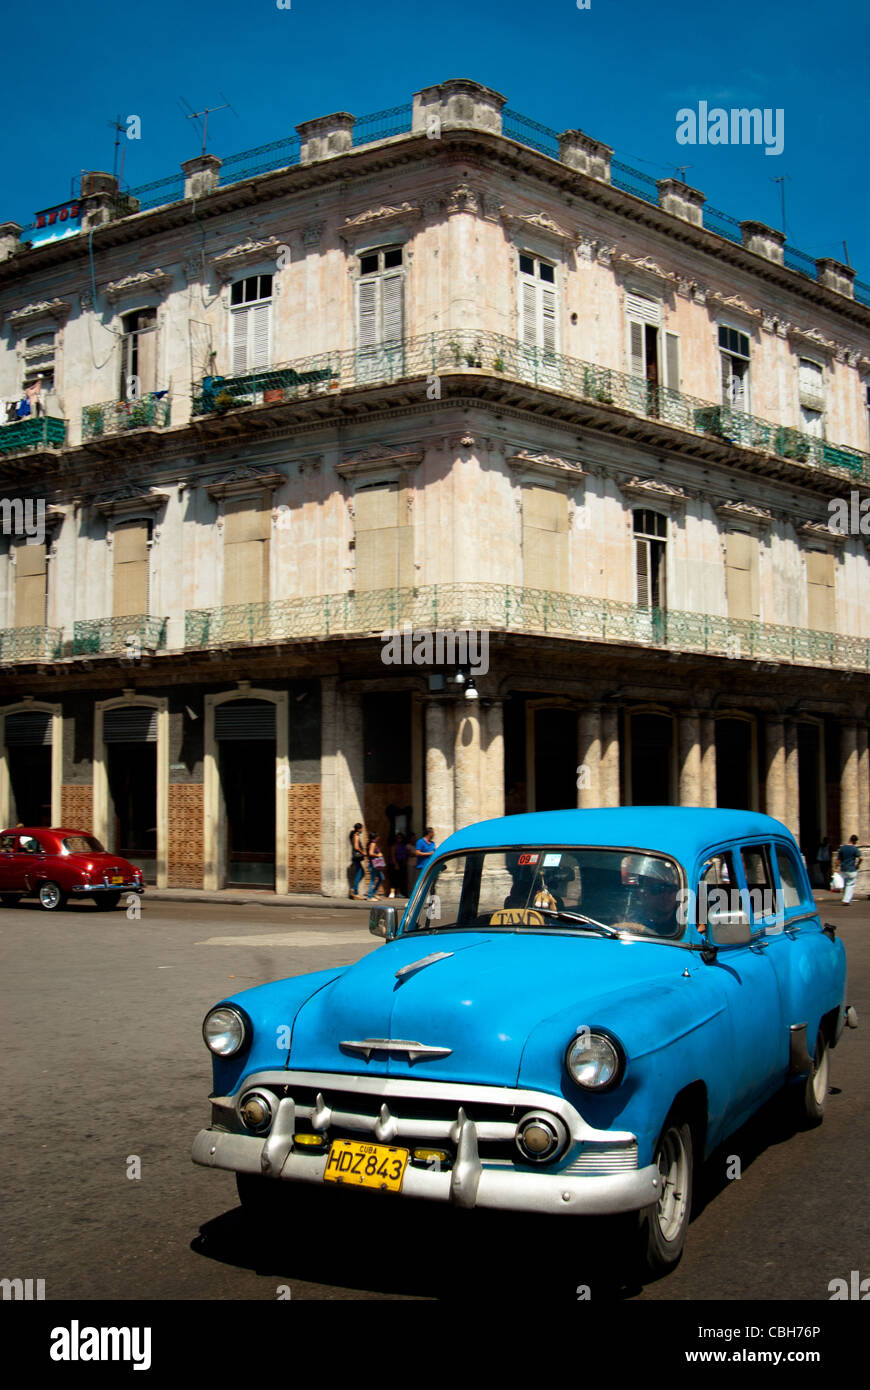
(498, 363)
(791, 444)
(224, 401)
(94, 420)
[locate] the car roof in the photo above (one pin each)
(681, 831)
(43, 830)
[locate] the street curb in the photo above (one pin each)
(235, 899)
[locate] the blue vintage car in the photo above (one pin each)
(576, 1007)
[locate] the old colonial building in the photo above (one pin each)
(443, 370)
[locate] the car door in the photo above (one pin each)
(799, 951)
(766, 915)
(748, 985)
(8, 879)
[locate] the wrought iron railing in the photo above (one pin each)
(131, 636)
(434, 353)
(506, 608)
(116, 417)
(37, 432)
(30, 644)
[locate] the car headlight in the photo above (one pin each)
(226, 1029)
(594, 1060)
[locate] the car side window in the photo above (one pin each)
(717, 884)
(759, 881)
(793, 892)
(7, 843)
(29, 845)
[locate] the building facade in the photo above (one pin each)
(432, 383)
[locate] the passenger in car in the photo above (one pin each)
(654, 887)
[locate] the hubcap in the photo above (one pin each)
(821, 1070)
(49, 895)
(673, 1165)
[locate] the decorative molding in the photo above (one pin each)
(649, 267)
(538, 224)
(550, 465)
(382, 217)
(311, 464)
(125, 501)
(734, 302)
(57, 309)
(817, 339)
(820, 531)
(462, 199)
(312, 233)
(150, 281)
(782, 328)
(759, 518)
(655, 490)
(246, 253)
(246, 481)
(768, 321)
(377, 458)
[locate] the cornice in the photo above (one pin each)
(379, 458)
(128, 500)
(759, 518)
(549, 465)
(244, 482)
(246, 253)
(382, 217)
(44, 309)
(654, 490)
(538, 224)
(147, 281)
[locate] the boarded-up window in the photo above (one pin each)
(545, 538)
(246, 550)
(31, 571)
(741, 575)
(131, 568)
(820, 591)
(384, 541)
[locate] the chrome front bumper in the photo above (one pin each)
(471, 1181)
(88, 890)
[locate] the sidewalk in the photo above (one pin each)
(262, 897)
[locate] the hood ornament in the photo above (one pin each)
(422, 963)
(415, 1050)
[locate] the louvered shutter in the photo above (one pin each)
(548, 319)
(28, 729)
(643, 574)
(260, 317)
(392, 308)
(672, 361)
(240, 341)
(529, 333)
(367, 321)
(738, 391)
(130, 724)
(637, 357)
(244, 719)
(637, 306)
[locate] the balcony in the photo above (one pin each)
(505, 358)
(505, 608)
(118, 417)
(131, 637)
(30, 644)
(34, 432)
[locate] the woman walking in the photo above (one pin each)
(377, 864)
(357, 858)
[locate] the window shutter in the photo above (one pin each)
(261, 316)
(367, 327)
(130, 544)
(240, 341)
(131, 724)
(725, 365)
(548, 319)
(30, 585)
(672, 361)
(738, 391)
(637, 363)
(147, 343)
(820, 591)
(643, 575)
(392, 309)
(529, 301)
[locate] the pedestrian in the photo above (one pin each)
(425, 848)
(377, 864)
(823, 858)
(399, 867)
(849, 861)
(357, 859)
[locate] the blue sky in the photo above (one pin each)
(620, 71)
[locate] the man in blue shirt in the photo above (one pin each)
(425, 848)
(850, 862)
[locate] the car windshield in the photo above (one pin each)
(615, 890)
(82, 844)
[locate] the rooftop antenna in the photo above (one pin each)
(192, 115)
(681, 171)
(118, 126)
(846, 254)
(781, 179)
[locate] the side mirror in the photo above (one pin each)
(383, 922)
(729, 928)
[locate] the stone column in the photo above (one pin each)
(439, 770)
(774, 780)
(792, 779)
(863, 831)
(849, 808)
(589, 757)
(494, 762)
(708, 760)
(690, 759)
(467, 790)
(609, 755)
(342, 775)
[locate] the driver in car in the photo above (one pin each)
(653, 889)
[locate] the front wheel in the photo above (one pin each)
(663, 1225)
(51, 898)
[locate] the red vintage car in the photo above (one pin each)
(54, 865)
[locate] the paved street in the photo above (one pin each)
(103, 1059)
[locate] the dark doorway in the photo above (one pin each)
(555, 759)
(30, 783)
(733, 751)
(809, 810)
(247, 771)
(651, 738)
(132, 774)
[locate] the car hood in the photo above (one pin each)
(482, 1001)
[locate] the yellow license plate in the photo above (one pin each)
(366, 1165)
(117, 878)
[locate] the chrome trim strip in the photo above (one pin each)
(415, 1050)
(422, 963)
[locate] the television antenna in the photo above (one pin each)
(781, 179)
(192, 115)
(681, 171)
(118, 126)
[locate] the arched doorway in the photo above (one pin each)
(131, 780)
(246, 789)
